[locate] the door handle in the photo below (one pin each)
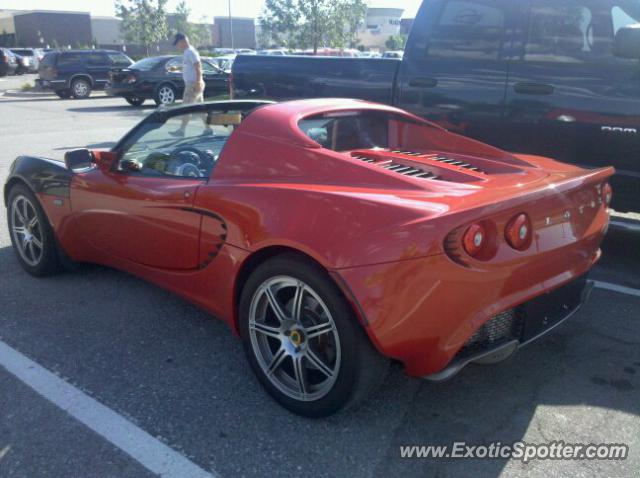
(533, 89)
(423, 82)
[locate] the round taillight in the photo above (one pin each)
(607, 193)
(518, 232)
(474, 239)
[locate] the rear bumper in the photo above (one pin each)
(424, 311)
(123, 90)
(545, 313)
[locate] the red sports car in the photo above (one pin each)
(331, 235)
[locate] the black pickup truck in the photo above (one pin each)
(558, 78)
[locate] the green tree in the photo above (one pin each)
(396, 42)
(311, 23)
(199, 33)
(144, 22)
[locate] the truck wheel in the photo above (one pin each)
(165, 95)
(80, 88)
(64, 94)
(303, 341)
(31, 234)
(134, 100)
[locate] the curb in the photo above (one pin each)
(25, 94)
(42, 94)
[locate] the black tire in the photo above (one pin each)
(48, 262)
(63, 94)
(361, 368)
(134, 100)
(81, 88)
(161, 95)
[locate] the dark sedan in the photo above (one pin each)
(160, 79)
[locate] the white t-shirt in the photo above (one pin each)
(190, 58)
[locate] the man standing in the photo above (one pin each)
(192, 76)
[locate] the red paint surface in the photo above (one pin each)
(381, 234)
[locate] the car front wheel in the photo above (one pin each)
(31, 235)
(303, 340)
(80, 88)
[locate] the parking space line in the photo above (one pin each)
(617, 288)
(135, 442)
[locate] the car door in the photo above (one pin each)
(216, 81)
(570, 98)
(98, 66)
(173, 73)
(454, 70)
(141, 208)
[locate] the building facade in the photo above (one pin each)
(234, 32)
(380, 24)
(50, 28)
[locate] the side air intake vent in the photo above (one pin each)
(398, 168)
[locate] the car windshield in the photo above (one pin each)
(146, 64)
(173, 146)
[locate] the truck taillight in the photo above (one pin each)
(54, 72)
(231, 86)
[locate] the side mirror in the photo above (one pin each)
(79, 159)
(627, 42)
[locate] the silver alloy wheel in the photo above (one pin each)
(80, 88)
(26, 230)
(294, 338)
(166, 95)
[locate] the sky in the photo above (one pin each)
(199, 8)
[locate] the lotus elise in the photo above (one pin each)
(333, 236)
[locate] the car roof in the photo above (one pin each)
(269, 120)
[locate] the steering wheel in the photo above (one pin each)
(203, 158)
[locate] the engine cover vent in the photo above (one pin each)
(399, 168)
(440, 158)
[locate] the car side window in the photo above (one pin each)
(119, 60)
(68, 59)
(97, 59)
(174, 65)
(209, 69)
(469, 29)
(575, 31)
(167, 150)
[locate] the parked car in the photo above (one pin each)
(8, 62)
(279, 52)
(77, 72)
(23, 64)
(32, 55)
(160, 78)
(395, 54)
(331, 235)
(224, 62)
(525, 76)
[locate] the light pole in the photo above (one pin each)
(231, 24)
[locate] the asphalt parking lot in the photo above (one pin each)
(175, 390)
